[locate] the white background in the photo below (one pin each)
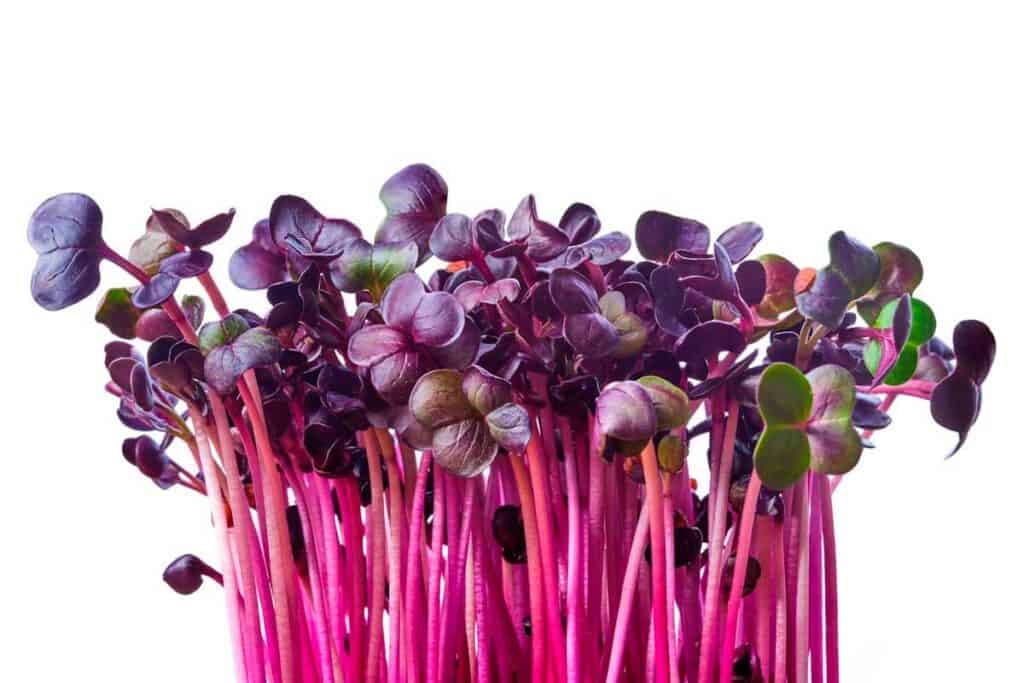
(894, 123)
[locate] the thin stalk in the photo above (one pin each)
(278, 542)
(655, 498)
(221, 527)
(718, 498)
(781, 607)
(534, 567)
(537, 467)
(831, 584)
(574, 553)
(413, 580)
(802, 585)
(396, 517)
(436, 558)
(373, 462)
(815, 616)
(622, 616)
(738, 578)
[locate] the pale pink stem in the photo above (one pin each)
(781, 606)
(803, 585)
(815, 616)
(718, 499)
(221, 528)
(377, 505)
(622, 617)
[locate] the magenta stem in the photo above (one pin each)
(738, 578)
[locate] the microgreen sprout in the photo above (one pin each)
(484, 474)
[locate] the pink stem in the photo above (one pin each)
(831, 584)
(738, 578)
(622, 617)
(655, 498)
(718, 499)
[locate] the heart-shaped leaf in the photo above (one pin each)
(415, 198)
(671, 405)
(207, 232)
(256, 347)
(220, 332)
(296, 225)
(853, 269)
(65, 231)
(438, 399)
(543, 240)
(372, 267)
(807, 423)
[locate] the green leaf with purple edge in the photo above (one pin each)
(464, 448)
(630, 328)
(194, 308)
(372, 267)
(65, 231)
(658, 234)
(778, 297)
(920, 330)
(155, 245)
(901, 273)
(224, 365)
(509, 425)
(671, 404)
(484, 390)
(416, 198)
(219, 332)
(117, 312)
(835, 444)
(438, 399)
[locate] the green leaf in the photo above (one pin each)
(437, 399)
(782, 456)
(922, 328)
(671, 404)
(118, 313)
(784, 395)
(671, 453)
(835, 446)
(220, 332)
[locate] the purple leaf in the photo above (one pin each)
(580, 223)
(452, 238)
(826, 299)
(955, 404)
(752, 281)
(509, 425)
(658, 234)
(416, 199)
(590, 334)
(572, 292)
(740, 240)
(65, 231)
(401, 299)
(160, 288)
(187, 264)
(484, 390)
(374, 343)
(438, 320)
(394, 376)
(256, 347)
(707, 340)
(207, 232)
(855, 262)
(625, 412)
(464, 448)
(260, 263)
(461, 352)
(600, 251)
(543, 240)
(975, 348)
(295, 224)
